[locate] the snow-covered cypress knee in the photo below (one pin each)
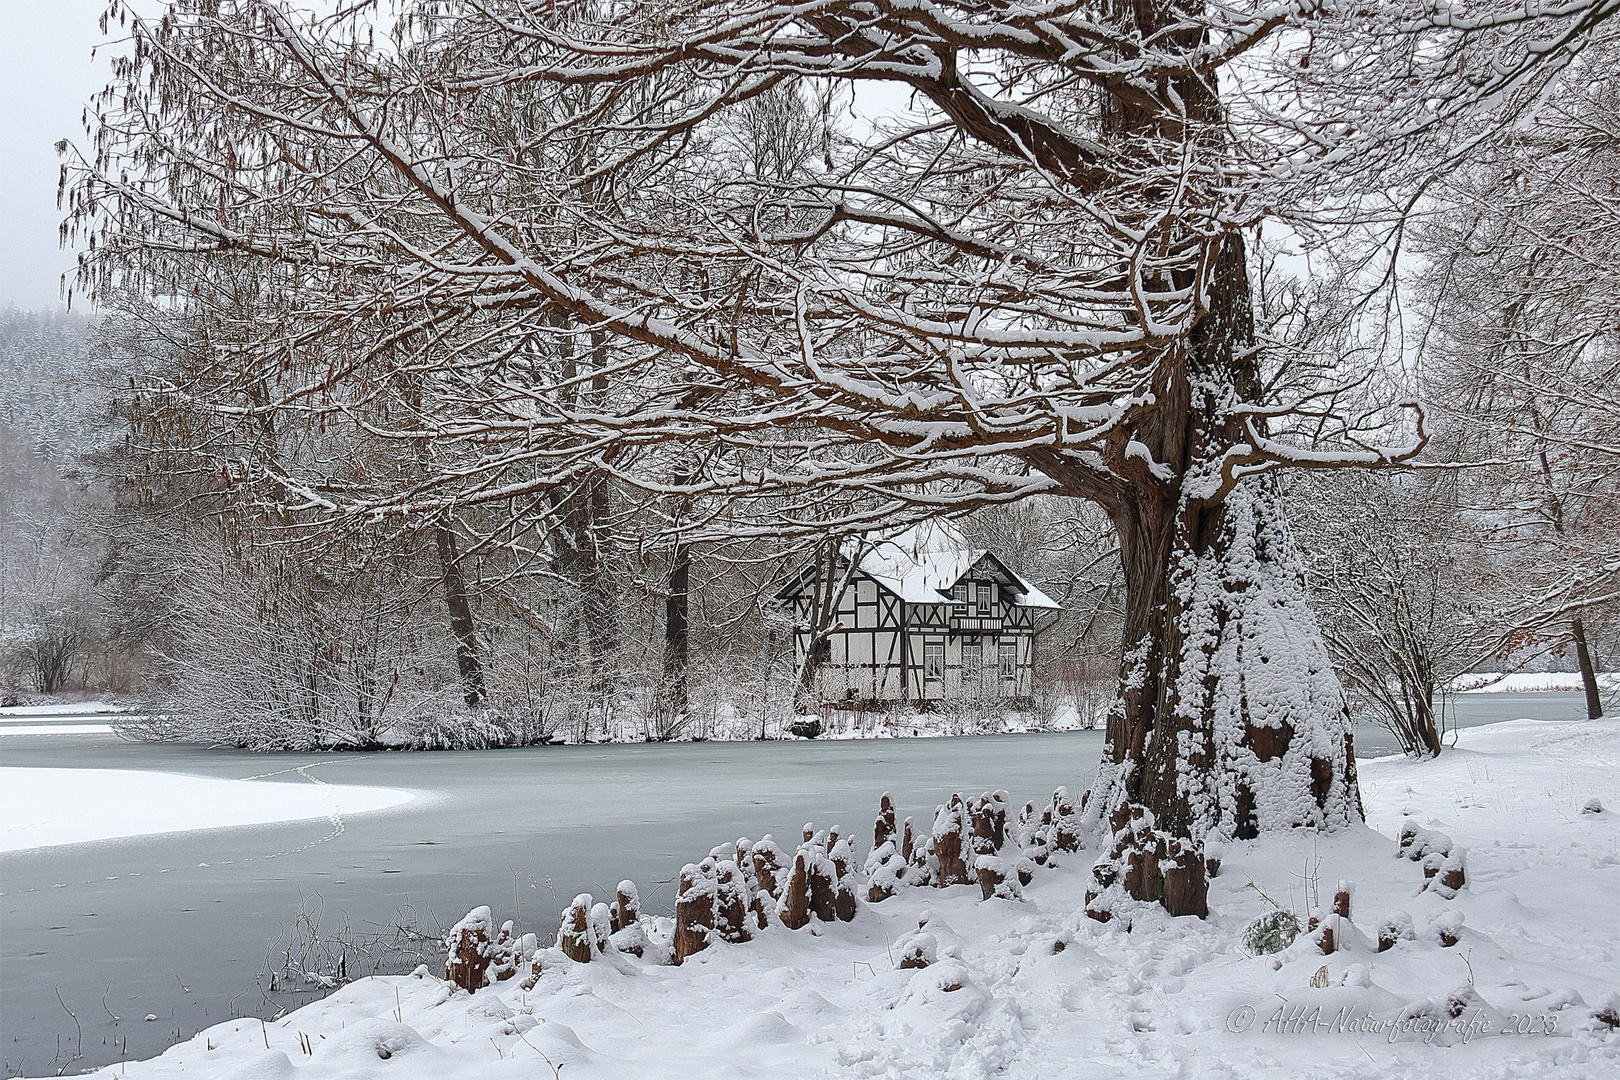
(823, 878)
(470, 944)
(770, 867)
(951, 843)
(694, 911)
(626, 905)
(886, 865)
(757, 899)
(1395, 929)
(793, 906)
(624, 921)
(988, 816)
(884, 829)
(509, 951)
(583, 929)
(732, 904)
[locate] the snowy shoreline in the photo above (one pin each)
(1034, 988)
(1522, 682)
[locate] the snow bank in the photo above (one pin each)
(58, 718)
(1488, 682)
(1032, 988)
(59, 708)
(47, 807)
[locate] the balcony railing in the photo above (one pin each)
(976, 623)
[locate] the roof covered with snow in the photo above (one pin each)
(921, 565)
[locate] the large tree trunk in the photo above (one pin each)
(1230, 720)
(1583, 656)
(461, 618)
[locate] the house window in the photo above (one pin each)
(983, 591)
(959, 591)
(1009, 661)
(934, 663)
(972, 661)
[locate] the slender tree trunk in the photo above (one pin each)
(461, 618)
(1427, 735)
(826, 595)
(602, 611)
(1583, 656)
(677, 610)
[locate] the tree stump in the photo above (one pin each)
(768, 864)
(694, 912)
(793, 907)
(1341, 899)
(823, 887)
(1186, 888)
(951, 841)
(467, 964)
(1065, 822)
(883, 830)
(1393, 929)
(574, 936)
(731, 905)
(992, 874)
(626, 906)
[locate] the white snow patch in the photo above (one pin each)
(14, 728)
(47, 807)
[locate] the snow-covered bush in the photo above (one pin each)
(1271, 933)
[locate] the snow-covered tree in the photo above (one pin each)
(1408, 594)
(1525, 353)
(1017, 263)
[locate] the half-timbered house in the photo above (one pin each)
(922, 619)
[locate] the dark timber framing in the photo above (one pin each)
(964, 609)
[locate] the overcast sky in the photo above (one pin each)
(46, 75)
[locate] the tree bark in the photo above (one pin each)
(1583, 656)
(677, 636)
(1229, 720)
(826, 590)
(461, 618)
(602, 605)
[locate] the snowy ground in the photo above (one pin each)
(1034, 989)
(46, 807)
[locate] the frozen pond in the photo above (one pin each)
(180, 926)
